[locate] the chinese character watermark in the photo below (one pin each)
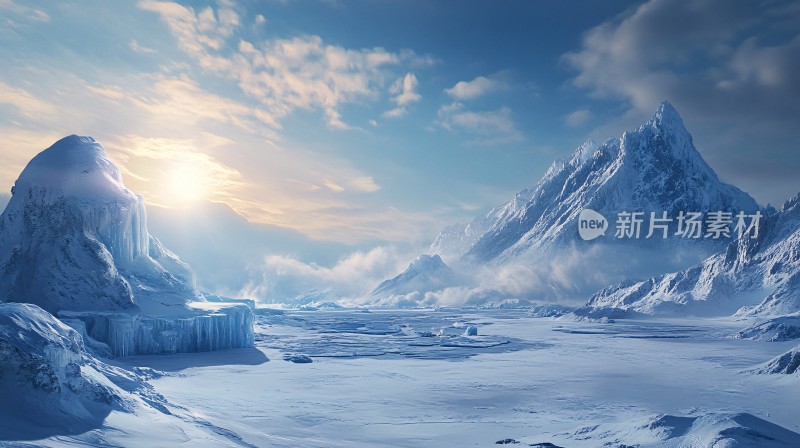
(687, 225)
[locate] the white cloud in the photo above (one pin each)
(688, 52)
(196, 32)
(28, 12)
(184, 100)
(481, 85)
(405, 91)
(306, 73)
(578, 117)
(494, 127)
(136, 47)
(364, 184)
(287, 74)
(333, 186)
(281, 278)
(25, 103)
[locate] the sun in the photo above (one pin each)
(186, 186)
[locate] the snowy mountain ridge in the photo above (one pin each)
(756, 276)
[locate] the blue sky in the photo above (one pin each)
(378, 122)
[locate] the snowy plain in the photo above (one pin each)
(410, 378)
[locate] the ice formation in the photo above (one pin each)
(124, 334)
(74, 240)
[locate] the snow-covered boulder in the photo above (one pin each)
(298, 358)
(46, 377)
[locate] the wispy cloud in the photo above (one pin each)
(490, 128)
(578, 118)
(199, 31)
(284, 75)
(405, 91)
(182, 98)
(480, 86)
(24, 102)
(136, 47)
(281, 278)
(27, 12)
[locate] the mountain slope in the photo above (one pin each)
(785, 364)
(423, 274)
(72, 237)
(765, 269)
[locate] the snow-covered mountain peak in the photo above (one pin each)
(584, 152)
(791, 203)
(666, 117)
(664, 142)
(426, 263)
(74, 166)
(654, 168)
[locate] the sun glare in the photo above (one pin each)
(186, 186)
